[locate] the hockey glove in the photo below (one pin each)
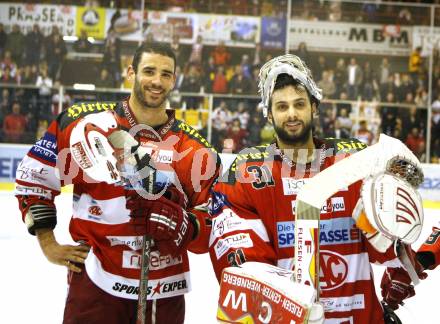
(396, 285)
(165, 220)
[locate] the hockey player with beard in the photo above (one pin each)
(104, 269)
(254, 205)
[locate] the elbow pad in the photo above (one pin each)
(40, 216)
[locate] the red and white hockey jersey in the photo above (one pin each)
(100, 217)
(254, 213)
(432, 245)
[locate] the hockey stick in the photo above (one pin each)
(120, 140)
(318, 189)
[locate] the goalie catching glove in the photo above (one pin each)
(164, 219)
(390, 209)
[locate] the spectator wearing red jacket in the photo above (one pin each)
(14, 125)
(220, 83)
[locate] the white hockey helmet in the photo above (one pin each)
(288, 64)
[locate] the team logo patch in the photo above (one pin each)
(219, 200)
(46, 148)
(334, 270)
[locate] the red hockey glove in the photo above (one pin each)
(396, 285)
(165, 220)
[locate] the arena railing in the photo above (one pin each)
(200, 116)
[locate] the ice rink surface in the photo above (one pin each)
(34, 290)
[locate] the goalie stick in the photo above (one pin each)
(318, 189)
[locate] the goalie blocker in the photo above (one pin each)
(261, 293)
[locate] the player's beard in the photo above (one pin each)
(139, 93)
(301, 138)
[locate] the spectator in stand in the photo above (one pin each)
(415, 64)
(180, 76)
(320, 67)
(254, 81)
(221, 54)
(209, 70)
(370, 88)
(66, 103)
(399, 94)
(15, 44)
(246, 66)
(44, 83)
(221, 117)
(327, 85)
(254, 131)
(386, 88)
(345, 123)
(416, 118)
(177, 49)
(239, 83)
(354, 79)
(242, 114)
(340, 76)
(34, 42)
(112, 56)
(328, 123)
(421, 98)
(220, 83)
(343, 105)
(14, 125)
(3, 39)
(364, 134)
(82, 45)
(7, 77)
(407, 85)
(414, 140)
(55, 53)
(4, 108)
(29, 76)
(192, 82)
(384, 71)
(105, 80)
(8, 62)
(235, 137)
(303, 52)
(196, 52)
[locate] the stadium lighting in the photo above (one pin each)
(84, 86)
(70, 38)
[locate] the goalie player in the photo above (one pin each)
(254, 204)
(104, 281)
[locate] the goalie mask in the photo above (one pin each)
(288, 64)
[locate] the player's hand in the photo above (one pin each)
(396, 286)
(165, 220)
(66, 255)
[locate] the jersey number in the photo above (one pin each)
(262, 175)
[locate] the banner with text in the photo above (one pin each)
(422, 37)
(351, 38)
(430, 188)
(10, 157)
(46, 16)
